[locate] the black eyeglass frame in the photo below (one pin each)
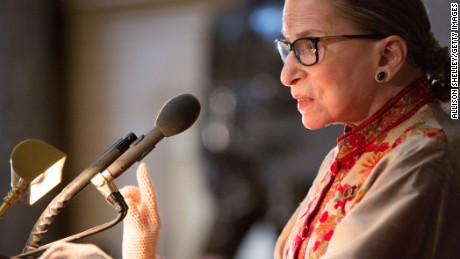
(315, 41)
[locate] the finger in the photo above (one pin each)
(52, 251)
(146, 188)
(149, 209)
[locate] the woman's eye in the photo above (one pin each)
(311, 47)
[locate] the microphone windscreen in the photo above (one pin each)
(178, 114)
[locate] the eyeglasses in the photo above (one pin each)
(306, 49)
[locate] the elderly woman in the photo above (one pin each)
(391, 186)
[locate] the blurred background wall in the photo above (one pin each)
(82, 74)
(32, 99)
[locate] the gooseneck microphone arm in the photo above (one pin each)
(73, 188)
(121, 207)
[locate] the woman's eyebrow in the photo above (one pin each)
(303, 34)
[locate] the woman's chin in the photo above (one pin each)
(312, 124)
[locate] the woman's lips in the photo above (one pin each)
(303, 102)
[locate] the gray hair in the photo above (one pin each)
(409, 20)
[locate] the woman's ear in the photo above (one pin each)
(393, 55)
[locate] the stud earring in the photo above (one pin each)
(381, 75)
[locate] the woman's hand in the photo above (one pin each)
(141, 226)
(74, 251)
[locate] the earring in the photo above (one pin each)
(381, 75)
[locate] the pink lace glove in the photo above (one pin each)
(141, 226)
(74, 251)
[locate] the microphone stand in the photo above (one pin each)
(73, 188)
(176, 116)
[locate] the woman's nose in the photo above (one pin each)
(291, 71)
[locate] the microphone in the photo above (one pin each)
(177, 115)
(36, 168)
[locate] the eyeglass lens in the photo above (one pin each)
(304, 49)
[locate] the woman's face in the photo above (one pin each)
(340, 88)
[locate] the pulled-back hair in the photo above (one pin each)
(408, 19)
